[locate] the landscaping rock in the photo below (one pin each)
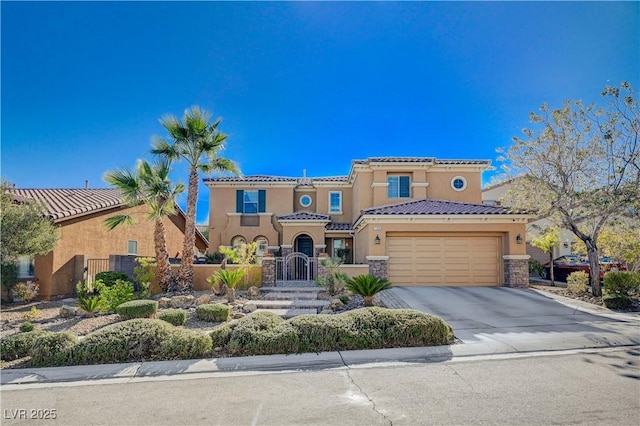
(67, 311)
(219, 289)
(238, 315)
(249, 307)
(182, 301)
(164, 302)
(203, 300)
(326, 311)
(336, 304)
(253, 292)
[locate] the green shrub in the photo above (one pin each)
(221, 335)
(578, 282)
(173, 316)
(92, 304)
(18, 345)
(138, 340)
(109, 278)
(262, 333)
(344, 298)
(26, 290)
(144, 274)
(49, 349)
(621, 282)
(8, 276)
(535, 267)
(367, 286)
(616, 301)
(26, 327)
(137, 309)
(213, 312)
(116, 294)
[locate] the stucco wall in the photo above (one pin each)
(440, 186)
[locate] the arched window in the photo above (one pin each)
(263, 246)
(238, 241)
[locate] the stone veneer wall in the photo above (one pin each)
(268, 271)
(516, 272)
(378, 267)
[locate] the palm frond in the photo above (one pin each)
(114, 221)
(126, 181)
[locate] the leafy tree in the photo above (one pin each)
(149, 184)
(620, 242)
(580, 165)
(244, 254)
(547, 241)
(197, 141)
(26, 231)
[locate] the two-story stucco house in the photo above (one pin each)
(414, 220)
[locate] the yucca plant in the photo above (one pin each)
(92, 304)
(367, 286)
(230, 278)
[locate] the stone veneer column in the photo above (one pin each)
(285, 250)
(323, 271)
(378, 265)
(268, 271)
(320, 249)
(516, 270)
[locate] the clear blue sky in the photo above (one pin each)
(298, 85)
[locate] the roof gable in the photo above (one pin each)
(436, 207)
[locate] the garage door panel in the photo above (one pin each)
(444, 260)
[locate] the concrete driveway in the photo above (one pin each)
(522, 319)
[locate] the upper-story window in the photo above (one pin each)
(251, 202)
(458, 183)
(399, 186)
(335, 202)
(305, 200)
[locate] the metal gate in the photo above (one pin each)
(95, 266)
(296, 267)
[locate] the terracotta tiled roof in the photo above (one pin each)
(304, 216)
(252, 178)
(331, 179)
(455, 162)
(436, 207)
(66, 203)
(418, 160)
(338, 226)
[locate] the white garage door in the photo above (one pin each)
(444, 260)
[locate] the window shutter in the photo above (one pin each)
(405, 186)
(239, 201)
(262, 201)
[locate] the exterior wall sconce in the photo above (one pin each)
(566, 244)
(518, 239)
(377, 240)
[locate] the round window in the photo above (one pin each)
(458, 183)
(305, 201)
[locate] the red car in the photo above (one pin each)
(564, 265)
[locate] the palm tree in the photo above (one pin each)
(197, 141)
(149, 184)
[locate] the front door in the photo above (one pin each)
(304, 244)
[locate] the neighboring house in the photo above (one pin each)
(414, 220)
(79, 214)
(492, 196)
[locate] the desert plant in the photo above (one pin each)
(34, 313)
(536, 268)
(137, 309)
(26, 290)
(92, 304)
(578, 282)
(621, 283)
(173, 316)
(344, 298)
(17, 345)
(616, 301)
(48, 348)
(109, 278)
(213, 312)
(367, 286)
(228, 277)
(144, 275)
(26, 327)
(334, 279)
(214, 258)
(84, 290)
(116, 294)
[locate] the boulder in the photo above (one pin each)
(182, 301)
(67, 311)
(336, 304)
(249, 307)
(203, 300)
(164, 302)
(219, 289)
(237, 315)
(253, 292)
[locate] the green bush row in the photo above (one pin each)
(173, 316)
(264, 333)
(213, 312)
(18, 345)
(137, 309)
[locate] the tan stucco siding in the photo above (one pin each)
(234, 229)
(291, 231)
(323, 203)
(440, 186)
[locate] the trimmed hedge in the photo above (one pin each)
(621, 282)
(370, 328)
(173, 316)
(18, 345)
(26, 327)
(616, 301)
(135, 340)
(49, 348)
(109, 278)
(137, 309)
(213, 312)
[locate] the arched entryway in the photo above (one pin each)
(304, 244)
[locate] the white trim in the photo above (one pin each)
(307, 196)
(320, 246)
(421, 184)
(377, 257)
(516, 257)
(464, 181)
(374, 184)
(234, 214)
(286, 246)
(273, 247)
(340, 205)
(129, 253)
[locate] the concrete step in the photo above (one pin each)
(315, 290)
(290, 304)
(289, 295)
(289, 313)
